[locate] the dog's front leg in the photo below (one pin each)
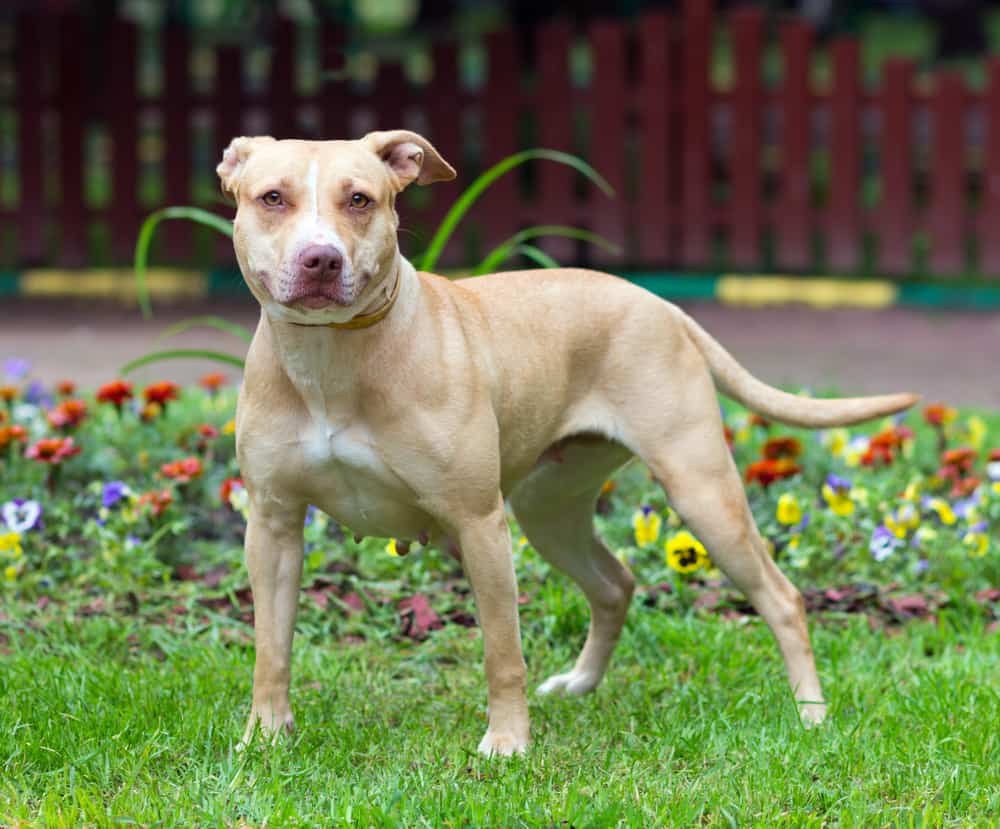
(489, 564)
(274, 550)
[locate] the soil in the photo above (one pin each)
(951, 356)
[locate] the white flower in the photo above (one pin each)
(21, 516)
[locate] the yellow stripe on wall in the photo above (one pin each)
(817, 292)
(113, 283)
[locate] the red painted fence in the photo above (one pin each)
(815, 170)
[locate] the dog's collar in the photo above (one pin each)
(363, 320)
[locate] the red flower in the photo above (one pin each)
(157, 500)
(116, 392)
(877, 454)
(891, 438)
(964, 487)
(9, 434)
(182, 471)
(729, 436)
(66, 388)
(161, 393)
(962, 458)
(994, 455)
(52, 450)
(207, 430)
(67, 415)
(769, 470)
(783, 447)
(226, 489)
(937, 414)
(212, 381)
(757, 420)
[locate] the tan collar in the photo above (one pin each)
(366, 320)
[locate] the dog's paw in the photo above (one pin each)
(574, 682)
(812, 713)
(502, 744)
(267, 728)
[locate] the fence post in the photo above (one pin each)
(947, 178)
(989, 239)
(177, 138)
(607, 145)
(282, 89)
(123, 114)
(896, 163)
(793, 242)
(500, 206)
(29, 51)
(444, 114)
(696, 199)
(71, 99)
(657, 148)
(843, 227)
(745, 162)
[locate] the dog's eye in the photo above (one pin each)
(272, 198)
(360, 201)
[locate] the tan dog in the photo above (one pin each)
(405, 405)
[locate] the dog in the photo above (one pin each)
(410, 406)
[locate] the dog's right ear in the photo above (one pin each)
(234, 159)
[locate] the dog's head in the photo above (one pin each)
(315, 229)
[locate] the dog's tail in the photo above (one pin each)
(738, 383)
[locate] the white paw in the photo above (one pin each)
(502, 745)
(812, 713)
(575, 682)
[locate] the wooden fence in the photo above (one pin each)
(714, 163)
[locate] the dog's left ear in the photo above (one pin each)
(410, 157)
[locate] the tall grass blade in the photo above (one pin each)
(479, 186)
(505, 249)
(209, 321)
(536, 255)
(145, 238)
(182, 354)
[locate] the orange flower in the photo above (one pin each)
(226, 489)
(728, 435)
(207, 430)
(8, 393)
(66, 388)
(212, 381)
(994, 455)
(769, 470)
(52, 450)
(783, 447)
(964, 487)
(156, 500)
(3, 416)
(891, 438)
(150, 411)
(937, 414)
(182, 471)
(161, 393)
(116, 392)
(877, 454)
(67, 415)
(962, 458)
(10, 434)
(757, 420)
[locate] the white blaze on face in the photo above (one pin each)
(311, 229)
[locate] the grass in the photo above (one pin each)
(106, 723)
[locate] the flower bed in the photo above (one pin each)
(130, 487)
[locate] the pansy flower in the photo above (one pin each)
(836, 440)
(646, 526)
(943, 510)
(836, 492)
(113, 492)
(977, 540)
(883, 543)
(685, 553)
(789, 510)
(21, 515)
(901, 522)
(975, 431)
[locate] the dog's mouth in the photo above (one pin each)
(321, 300)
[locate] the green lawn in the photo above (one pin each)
(105, 722)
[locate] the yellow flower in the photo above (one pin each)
(912, 491)
(838, 500)
(742, 435)
(836, 441)
(390, 548)
(10, 572)
(686, 553)
(943, 510)
(926, 535)
(975, 431)
(646, 525)
(995, 487)
(229, 427)
(10, 543)
(899, 523)
(788, 512)
(977, 542)
(859, 495)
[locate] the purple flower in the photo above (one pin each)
(838, 484)
(310, 515)
(113, 492)
(20, 515)
(883, 543)
(922, 565)
(981, 527)
(806, 518)
(964, 507)
(37, 395)
(16, 368)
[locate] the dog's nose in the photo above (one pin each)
(318, 261)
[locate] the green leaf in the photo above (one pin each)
(536, 255)
(479, 186)
(207, 322)
(505, 249)
(182, 354)
(145, 238)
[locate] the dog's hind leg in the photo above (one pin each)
(555, 507)
(690, 458)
